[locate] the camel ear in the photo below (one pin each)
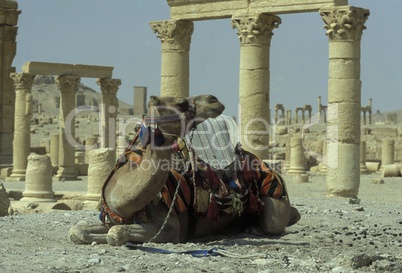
(154, 101)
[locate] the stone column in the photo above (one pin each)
(22, 124)
(54, 150)
(101, 162)
(387, 153)
(68, 86)
(38, 185)
(140, 101)
(255, 33)
(122, 143)
(344, 25)
(8, 33)
(323, 165)
(175, 36)
(297, 159)
(91, 143)
(363, 167)
(109, 109)
(287, 156)
(289, 117)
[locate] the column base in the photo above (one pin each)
(92, 197)
(66, 173)
(363, 169)
(296, 170)
(91, 205)
(38, 196)
(15, 178)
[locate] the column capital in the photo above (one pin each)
(67, 83)
(108, 86)
(174, 34)
(23, 81)
(8, 33)
(255, 29)
(344, 22)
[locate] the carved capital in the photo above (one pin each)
(8, 33)
(22, 82)
(256, 29)
(344, 23)
(174, 34)
(109, 86)
(67, 83)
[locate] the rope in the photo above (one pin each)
(169, 212)
(197, 253)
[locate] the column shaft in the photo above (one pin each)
(344, 28)
(109, 109)
(175, 37)
(22, 124)
(68, 86)
(254, 33)
(8, 34)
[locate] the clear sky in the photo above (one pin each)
(117, 33)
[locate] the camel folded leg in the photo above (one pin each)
(276, 215)
(83, 233)
(142, 233)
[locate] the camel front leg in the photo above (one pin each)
(142, 233)
(83, 233)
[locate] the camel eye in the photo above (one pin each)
(183, 106)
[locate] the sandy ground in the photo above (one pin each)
(334, 235)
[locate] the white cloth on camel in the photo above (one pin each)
(214, 141)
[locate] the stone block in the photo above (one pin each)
(214, 9)
(85, 71)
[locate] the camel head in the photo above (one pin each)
(177, 115)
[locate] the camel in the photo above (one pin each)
(138, 207)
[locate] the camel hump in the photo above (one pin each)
(214, 141)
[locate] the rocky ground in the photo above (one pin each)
(334, 235)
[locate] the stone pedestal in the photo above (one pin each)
(38, 185)
(22, 124)
(344, 25)
(101, 162)
(68, 86)
(109, 110)
(297, 159)
(363, 167)
(387, 153)
(175, 36)
(254, 33)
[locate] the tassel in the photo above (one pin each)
(254, 205)
(213, 180)
(213, 212)
(145, 136)
(159, 138)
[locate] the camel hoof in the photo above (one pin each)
(294, 216)
(115, 236)
(76, 236)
